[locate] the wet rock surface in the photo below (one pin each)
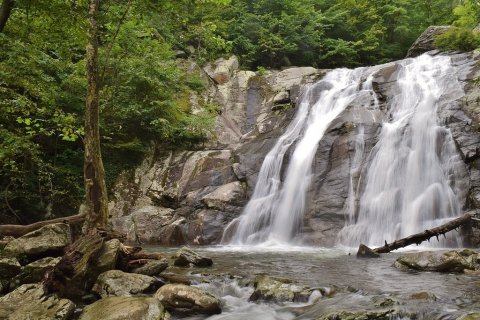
(189, 197)
(125, 308)
(186, 299)
(279, 290)
(451, 261)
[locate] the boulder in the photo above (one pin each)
(222, 70)
(152, 267)
(49, 240)
(123, 284)
(125, 308)
(185, 257)
(451, 261)
(425, 41)
(228, 194)
(107, 257)
(423, 295)
(9, 267)
(366, 252)
(29, 301)
(186, 299)
(34, 272)
(279, 290)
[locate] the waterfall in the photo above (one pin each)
(405, 183)
(409, 181)
(275, 210)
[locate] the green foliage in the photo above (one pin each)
(459, 39)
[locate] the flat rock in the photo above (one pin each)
(186, 257)
(152, 267)
(451, 261)
(124, 308)
(186, 299)
(279, 290)
(49, 240)
(29, 301)
(123, 284)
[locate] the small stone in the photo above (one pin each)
(423, 296)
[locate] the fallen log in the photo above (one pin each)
(421, 236)
(17, 230)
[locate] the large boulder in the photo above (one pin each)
(107, 257)
(426, 40)
(186, 299)
(185, 257)
(451, 261)
(49, 240)
(29, 301)
(125, 308)
(279, 290)
(123, 284)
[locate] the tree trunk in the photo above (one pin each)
(94, 173)
(5, 11)
(418, 237)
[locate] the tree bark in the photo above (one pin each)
(423, 236)
(5, 12)
(17, 230)
(94, 173)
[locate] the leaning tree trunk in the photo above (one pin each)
(5, 11)
(94, 173)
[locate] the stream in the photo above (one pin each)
(347, 283)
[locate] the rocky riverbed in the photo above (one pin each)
(237, 282)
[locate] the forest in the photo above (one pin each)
(144, 82)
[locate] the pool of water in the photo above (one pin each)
(356, 283)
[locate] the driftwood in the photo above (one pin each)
(419, 237)
(17, 230)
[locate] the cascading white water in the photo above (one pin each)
(408, 186)
(275, 211)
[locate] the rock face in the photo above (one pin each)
(122, 284)
(124, 308)
(186, 299)
(30, 302)
(279, 290)
(188, 197)
(451, 261)
(426, 41)
(47, 241)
